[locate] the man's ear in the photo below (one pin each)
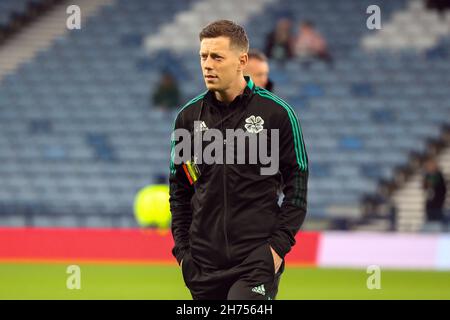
(243, 61)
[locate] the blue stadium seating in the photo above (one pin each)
(9, 7)
(79, 136)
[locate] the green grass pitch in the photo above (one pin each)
(109, 281)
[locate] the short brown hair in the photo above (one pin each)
(226, 28)
(256, 54)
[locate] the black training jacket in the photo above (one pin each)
(232, 209)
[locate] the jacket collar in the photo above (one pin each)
(242, 99)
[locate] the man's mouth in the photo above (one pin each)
(210, 77)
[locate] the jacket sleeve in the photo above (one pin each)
(294, 170)
(181, 193)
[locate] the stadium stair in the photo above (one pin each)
(410, 199)
(39, 35)
(182, 33)
(414, 28)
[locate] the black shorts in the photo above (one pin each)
(253, 279)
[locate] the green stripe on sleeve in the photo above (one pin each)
(299, 146)
(172, 138)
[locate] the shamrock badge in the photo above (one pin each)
(254, 124)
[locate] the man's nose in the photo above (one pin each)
(207, 64)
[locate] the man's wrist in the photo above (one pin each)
(276, 249)
(275, 253)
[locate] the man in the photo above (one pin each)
(435, 189)
(231, 237)
(258, 69)
(279, 42)
(311, 44)
(167, 93)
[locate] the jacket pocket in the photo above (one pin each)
(186, 270)
(270, 258)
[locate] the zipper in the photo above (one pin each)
(225, 202)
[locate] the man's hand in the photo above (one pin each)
(276, 260)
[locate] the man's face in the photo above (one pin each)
(221, 64)
(259, 72)
(430, 166)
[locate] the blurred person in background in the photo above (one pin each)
(258, 69)
(310, 44)
(435, 193)
(441, 6)
(167, 95)
(279, 41)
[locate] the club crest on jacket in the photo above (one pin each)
(254, 124)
